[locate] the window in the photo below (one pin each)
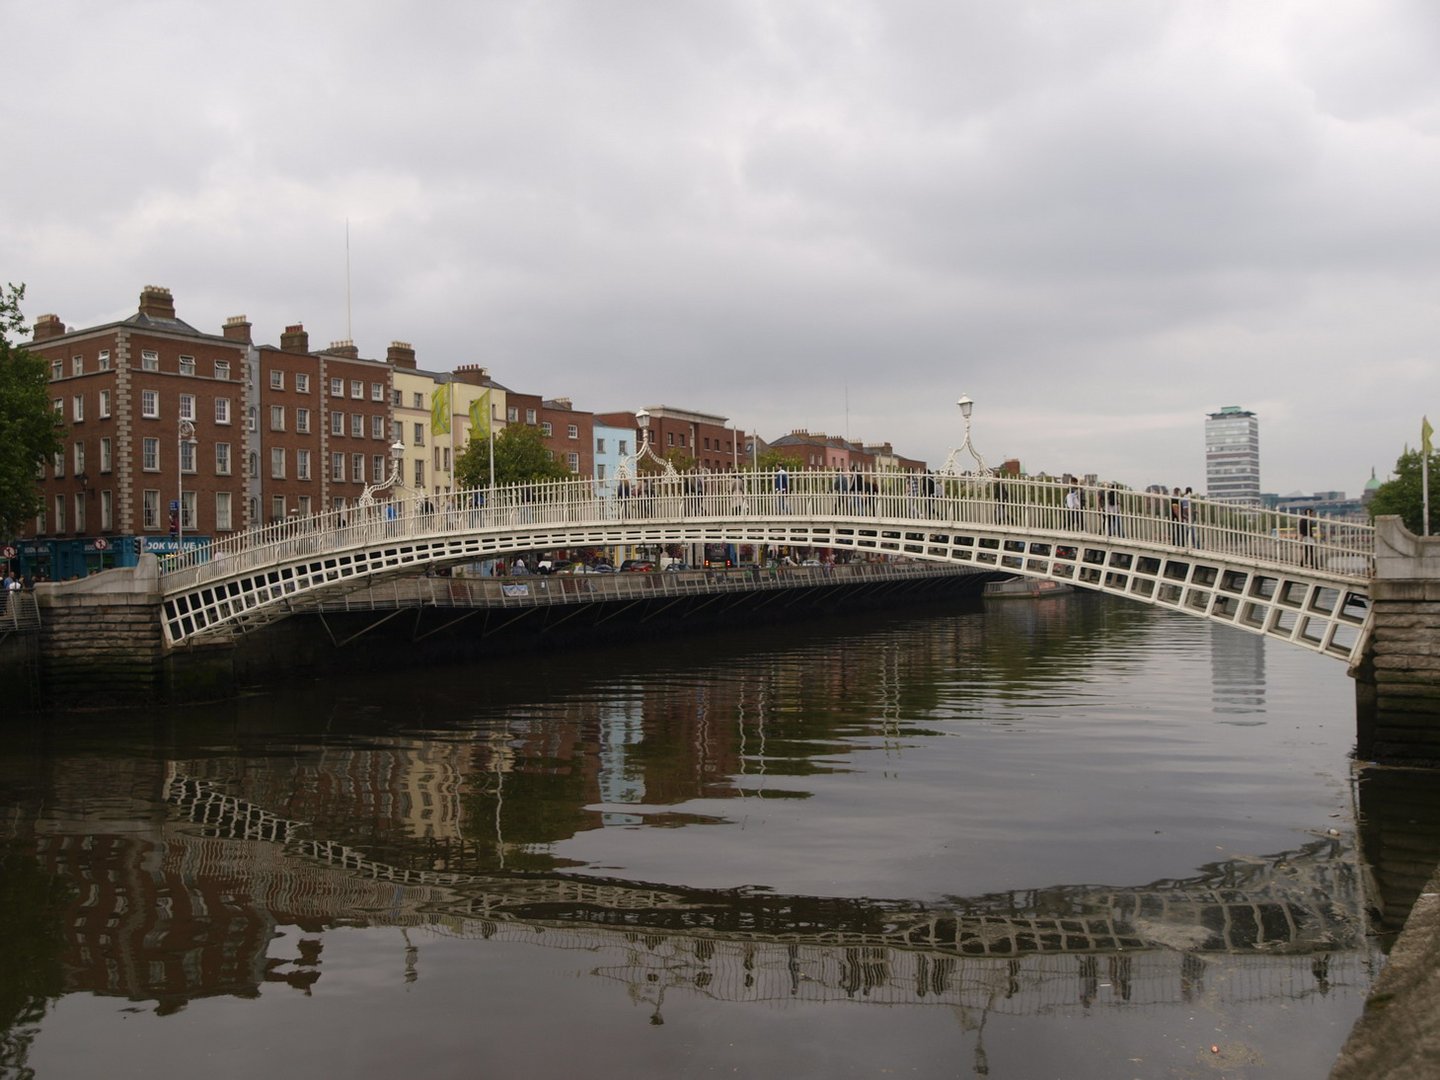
(357, 468)
(337, 387)
(222, 459)
(150, 509)
(620, 443)
(302, 464)
(530, 416)
(222, 370)
(572, 431)
(187, 509)
(222, 512)
(682, 440)
(573, 461)
(357, 389)
(377, 427)
(377, 469)
(149, 360)
(107, 510)
(187, 407)
(377, 391)
(106, 460)
(669, 438)
(59, 513)
(545, 428)
(104, 364)
(305, 505)
(187, 365)
(222, 410)
(250, 418)
(420, 472)
(600, 472)
(57, 369)
(277, 463)
(337, 423)
(277, 508)
(357, 425)
(79, 511)
(40, 529)
(77, 365)
(150, 455)
(419, 435)
(512, 414)
(417, 400)
(104, 404)
(150, 404)
(302, 421)
(58, 464)
(599, 446)
(252, 467)
(78, 407)
(302, 383)
(337, 468)
(277, 380)
(397, 431)
(397, 399)
(77, 455)
(277, 417)
(187, 455)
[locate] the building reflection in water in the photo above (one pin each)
(198, 905)
(1237, 674)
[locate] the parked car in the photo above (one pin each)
(675, 567)
(637, 566)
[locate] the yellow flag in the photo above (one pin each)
(440, 410)
(480, 416)
(1425, 432)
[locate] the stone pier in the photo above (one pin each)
(1397, 681)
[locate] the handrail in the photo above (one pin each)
(1340, 549)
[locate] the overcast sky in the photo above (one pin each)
(1100, 220)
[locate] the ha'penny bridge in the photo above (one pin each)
(1368, 596)
(1289, 924)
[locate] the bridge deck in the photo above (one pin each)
(1248, 568)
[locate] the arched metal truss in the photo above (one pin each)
(1219, 564)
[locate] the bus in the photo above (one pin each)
(719, 556)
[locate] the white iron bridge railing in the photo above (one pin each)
(1303, 581)
(1343, 550)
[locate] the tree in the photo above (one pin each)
(1403, 496)
(520, 455)
(30, 428)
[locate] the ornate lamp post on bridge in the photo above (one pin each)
(629, 467)
(951, 466)
(397, 455)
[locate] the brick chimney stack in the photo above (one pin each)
(48, 326)
(345, 348)
(471, 374)
(156, 302)
(295, 339)
(400, 354)
(237, 328)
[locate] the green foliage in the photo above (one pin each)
(30, 429)
(1403, 496)
(520, 456)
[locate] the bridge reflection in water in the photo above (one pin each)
(193, 912)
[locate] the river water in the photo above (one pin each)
(1068, 837)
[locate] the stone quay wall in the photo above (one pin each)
(1398, 679)
(100, 637)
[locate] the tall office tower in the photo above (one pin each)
(1232, 456)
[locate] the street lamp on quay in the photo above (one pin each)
(184, 435)
(952, 462)
(629, 467)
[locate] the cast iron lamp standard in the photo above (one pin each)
(397, 454)
(628, 471)
(184, 435)
(952, 463)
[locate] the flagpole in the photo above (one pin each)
(1426, 431)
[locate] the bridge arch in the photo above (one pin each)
(1230, 565)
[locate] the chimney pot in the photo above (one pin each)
(295, 339)
(156, 302)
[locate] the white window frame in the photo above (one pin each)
(187, 365)
(277, 463)
(150, 454)
(104, 408)
(222, 411)
(223, 461)
(149, 360)
(77, 408)
(150, 404)
(277, 379)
